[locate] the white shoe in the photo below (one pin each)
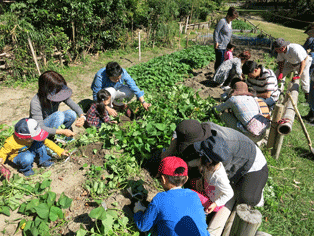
(224, 88)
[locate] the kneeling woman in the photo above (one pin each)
(52, 90)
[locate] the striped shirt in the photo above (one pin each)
(266, 82)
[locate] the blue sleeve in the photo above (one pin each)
(97, 83)
(131, 83)
(146, 220)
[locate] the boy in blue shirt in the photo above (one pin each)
(177, 211)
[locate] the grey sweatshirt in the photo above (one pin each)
(38, 113)
(222, 34)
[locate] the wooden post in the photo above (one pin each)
(34, 54)
(277, 114)
(139, 45)
(187, 40)
(73, 31)
(278, 144)
(186, 25)
(246, 221)
(229, 223)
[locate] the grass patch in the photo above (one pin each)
(279, 31)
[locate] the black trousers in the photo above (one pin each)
(249, 188)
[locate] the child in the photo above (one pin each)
(97, 113)
(176, 211)
(27, 142)
(216, 190)
(228, 54)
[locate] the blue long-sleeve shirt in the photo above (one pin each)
(101, 80)
(175, 212)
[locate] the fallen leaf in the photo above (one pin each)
(296, 186)
(281, 199)
(266, 219)
(60, 178)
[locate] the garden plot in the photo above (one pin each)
(113, 155)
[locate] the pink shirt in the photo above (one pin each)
(228, 55)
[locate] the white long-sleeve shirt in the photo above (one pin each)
(217, 186)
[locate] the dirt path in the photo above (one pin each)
(68, 177)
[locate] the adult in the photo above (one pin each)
(230, 69)
(52, 90)
(222, 35)
(309, 47)
(263, 81)
(243, 107)
(119, 84)
(246, 168)
(293, 57)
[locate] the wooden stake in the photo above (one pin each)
(186, 25)
(34, 54)
(277, 114)
(139, 45)
(246, 221)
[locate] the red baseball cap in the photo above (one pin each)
(28, 128)
(168, 166)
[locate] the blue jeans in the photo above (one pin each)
(219, 57)
(311, 95)
(60, 117)
(270, 102)
(312, 66)
(25, 159)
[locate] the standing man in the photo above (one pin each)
(309, 47)
(293, 57)
(263, 81)
(119, 84)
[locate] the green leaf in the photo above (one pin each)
(54, 213)
(108, 223)
(124, 221)
(81, 232)
(64, 202)
(42, 210)
(30, 208)
(44, 228)
(51, 198)
(98, 213)
(160, 126)
(22, 208)
(45, 184)
(5, 210)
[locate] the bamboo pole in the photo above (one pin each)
(289, 114)
(34, 54)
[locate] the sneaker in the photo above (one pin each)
(47, 164)
(225, 88)
(29, 172)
